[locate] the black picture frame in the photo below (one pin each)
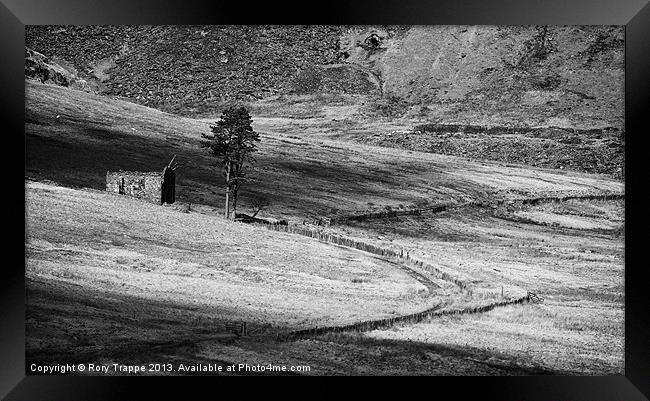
(634, 14)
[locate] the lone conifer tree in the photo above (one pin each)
(232, 141)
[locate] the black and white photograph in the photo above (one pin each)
(325, 200)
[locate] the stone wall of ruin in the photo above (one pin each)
(137, 184)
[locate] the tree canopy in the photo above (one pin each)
(232, 141)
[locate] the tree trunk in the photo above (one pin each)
(228, 190)
(234, 202)
(235, 188)
(235, 196)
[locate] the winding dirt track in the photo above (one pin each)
(422, 279)
(410, 318)
(435, 311)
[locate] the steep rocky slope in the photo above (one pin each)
(489, 75)
(188, 69)
(41, 68)
(492, 75)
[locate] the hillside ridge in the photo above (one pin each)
(492, 75)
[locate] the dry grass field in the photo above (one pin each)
(577, 269)
(111, 278)
(203, 268)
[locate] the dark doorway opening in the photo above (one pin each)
(168, 191)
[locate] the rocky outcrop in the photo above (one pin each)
(40, 67)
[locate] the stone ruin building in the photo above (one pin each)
(155, 187)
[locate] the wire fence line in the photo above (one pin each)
(418, 317)
(326, 221)
(389, 253)
(401, 255)
(406, 259)
(387, 214)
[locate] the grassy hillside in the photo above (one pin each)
(150, 263)
(302, 176)
(557, 76)
(202, 260)
(112, 279)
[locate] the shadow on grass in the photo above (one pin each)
(472, 360)
(67, 321)
(94, 326)
(305, 186)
